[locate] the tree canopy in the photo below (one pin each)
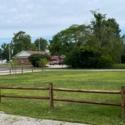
(102, 35)
(64, 41)
(101, 40)
(41, 44)
(21, 41)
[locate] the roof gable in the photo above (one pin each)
(26, 54)
(23, 54)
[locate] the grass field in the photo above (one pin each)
(83, 113)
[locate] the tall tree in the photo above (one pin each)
(21, 41)
(41, 44)
(106, 36)
(66, 40)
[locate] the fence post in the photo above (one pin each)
(51, 95)
(123, 102)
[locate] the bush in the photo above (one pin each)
(87, 58)
(38, 60)
(43, 62)
(105, 62)
(123, 59)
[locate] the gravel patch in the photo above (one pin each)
(6, 119)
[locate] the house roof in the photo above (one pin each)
(26, 54)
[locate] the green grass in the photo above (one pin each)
(83, 113)
(118, 66)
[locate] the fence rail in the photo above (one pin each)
(25, 88)
(87, 91)
(52, 99)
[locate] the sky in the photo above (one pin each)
(44, 18)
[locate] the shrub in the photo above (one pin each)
(37, 60)
(87, 58)
(123, 59)
(105, 62)
(43, 62)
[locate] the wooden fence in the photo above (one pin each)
(52, 99)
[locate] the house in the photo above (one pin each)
(23, 56)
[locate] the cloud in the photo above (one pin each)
(47, 17)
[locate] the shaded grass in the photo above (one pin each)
(118, 66)
(92, 114)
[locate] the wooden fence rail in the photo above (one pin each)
(51, 98)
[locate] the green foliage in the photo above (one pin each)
(102, 35)
(123, 52)
(43, 62)
(88, 58)
(38, 60)
(41, 44)
(106, 36)
(123, 59)
(64, 41)
(104, 62)
(21, 41)
(4, 51)
(13, 63)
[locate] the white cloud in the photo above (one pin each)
(46, 17)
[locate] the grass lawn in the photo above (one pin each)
(83, 113)
(118, 66)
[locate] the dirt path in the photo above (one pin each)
(19, 120)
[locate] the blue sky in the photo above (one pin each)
(44, 18)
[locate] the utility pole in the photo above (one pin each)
(9, 52)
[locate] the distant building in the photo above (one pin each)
(23, 56)
(56, 60)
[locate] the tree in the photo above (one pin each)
(21, 41)
(106, 36)
(41, 44)
(64, 41)
(5, 51)
(123, 51)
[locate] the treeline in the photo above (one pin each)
(97, 45)
(22, 41)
